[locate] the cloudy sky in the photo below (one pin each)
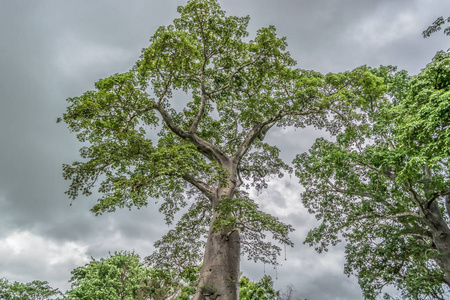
(54, 49)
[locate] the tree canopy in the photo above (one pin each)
(35, 290)
(261, 290)
(211, 93)
(383, 185)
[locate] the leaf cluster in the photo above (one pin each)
(261, 290)
(437, 26)
(35, 290)
(373, 185)
(124, 276)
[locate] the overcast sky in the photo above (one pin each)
(52, 50)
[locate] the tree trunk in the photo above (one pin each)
(219, 277)
(441, 238)
(442, 243)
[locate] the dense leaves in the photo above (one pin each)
(231, 90)
(35, 290)
(261, 290)
(383, 185)
(120, 276)
(123, 276)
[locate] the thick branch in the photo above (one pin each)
(447, 205)
(437, 195)
(205, 95)
(420, 236)
(416, 197)
(203, 187)
(170, 123)
(206, 148)
(382, 216)
(252, 134)
(342, 191)
(261, 128)
(201, 111)
(399, 215)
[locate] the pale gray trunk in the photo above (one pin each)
(219, 277)
(441, 238)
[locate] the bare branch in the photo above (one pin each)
(342, 191)
(201, 111)
(416, 197)
(375, 215)
(170, 123)
(447, 205)
(252, 134)
(400, 215)
(420, 236)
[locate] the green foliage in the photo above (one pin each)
(230, 87)
(211, 93)
(377, 186)
(35, 290)
(123, 276)
(261, 290)
(120, 276)
(424, 131)
(437, 26)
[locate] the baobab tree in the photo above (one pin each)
(212, 94)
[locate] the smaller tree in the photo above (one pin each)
(261, 290)
(35, 290)
(123, 276)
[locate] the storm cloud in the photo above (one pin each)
(51, 50)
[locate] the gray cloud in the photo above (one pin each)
(52, 50)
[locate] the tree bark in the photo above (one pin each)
(441, 238)
(219, 277)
